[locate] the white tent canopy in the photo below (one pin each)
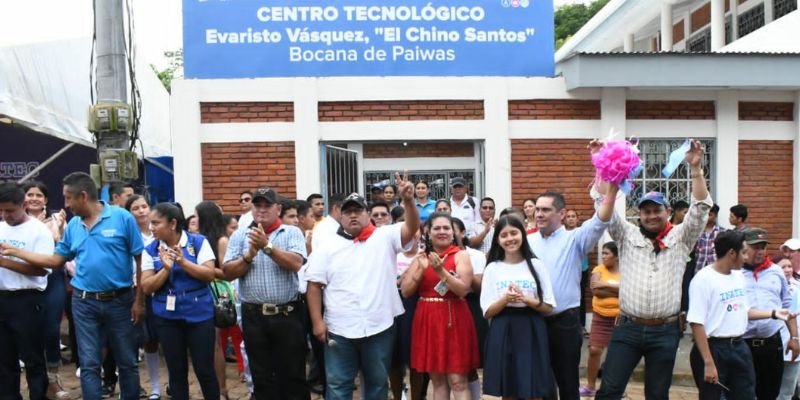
(45, 87)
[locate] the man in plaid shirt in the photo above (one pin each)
(652, 258)
(704, 251)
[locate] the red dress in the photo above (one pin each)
(443, 338)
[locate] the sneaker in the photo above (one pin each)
(154, 396)
(108, 391)
(78, 372)
(586, 391)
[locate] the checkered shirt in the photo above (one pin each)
(266, 281)
(705, 253)
(650, 283)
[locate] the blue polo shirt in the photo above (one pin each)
(102, 254)
(425, 210)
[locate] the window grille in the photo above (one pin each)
(751, 20)
(438, 181)
(700, 42)
(654, 154)
(783, 7)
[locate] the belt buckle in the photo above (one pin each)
(757, 342)
(269, 309)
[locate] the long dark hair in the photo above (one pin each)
(496, 253)
(429, 224)
(210, 224)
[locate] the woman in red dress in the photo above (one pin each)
(443, 339)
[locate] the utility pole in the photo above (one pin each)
(111, 117)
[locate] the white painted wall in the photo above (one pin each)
(495, 131)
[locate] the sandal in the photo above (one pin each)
(54, 389)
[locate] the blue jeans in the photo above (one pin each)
(372, 354)
(96, 321)
(54, 298)
(629, 343)
(178, 336)
(22, 338)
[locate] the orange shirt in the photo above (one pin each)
(606, 306)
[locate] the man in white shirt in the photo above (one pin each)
(462, 205)
(719, 311)
(356, 272)
(22, 297)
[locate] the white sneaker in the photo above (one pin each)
(21, 364)
(78, 372)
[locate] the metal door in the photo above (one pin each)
(339, 171)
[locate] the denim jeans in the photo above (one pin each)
(178, 336)
(372, 354)
(734, 365)
(789, 380)
(565, 336)
(22, 338)
(96, 321)
(54, 298)
(630, 342)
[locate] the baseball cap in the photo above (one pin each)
(755, 236)
(791, 244)
(354, 198)
(457, 181)
(267, 194)
(654, 197)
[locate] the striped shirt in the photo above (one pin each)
(650, 283)
(266, 281)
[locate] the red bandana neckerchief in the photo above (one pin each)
(764, 265)
(272, 228)
(365, 233)
(453, 249)
(658, 240)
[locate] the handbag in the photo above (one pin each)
(224, 307)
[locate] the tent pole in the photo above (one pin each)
(45, 163)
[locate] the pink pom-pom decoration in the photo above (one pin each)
(617, 162)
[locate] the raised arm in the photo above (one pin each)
(411, 225)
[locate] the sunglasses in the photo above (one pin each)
(245, 200)
(380, 215)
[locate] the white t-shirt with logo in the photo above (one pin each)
(478, 260)
(31, 235)
(719, 302)
(498, 276)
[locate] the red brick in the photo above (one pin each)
(224, 112)
(553, 109)
(766, 187)
(428, 149)
(766, 111)
(400, 110)
(691, 110)
(229, 168)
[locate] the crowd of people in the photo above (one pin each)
(355, 295)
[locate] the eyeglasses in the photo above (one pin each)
(245, 200)
(380, 215)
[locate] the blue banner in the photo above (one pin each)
(303, 38)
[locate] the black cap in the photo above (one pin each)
(457, 181)
(267, 194)
(354, 198)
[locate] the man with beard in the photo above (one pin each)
(652, 258)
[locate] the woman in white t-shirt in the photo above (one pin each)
(516, 294)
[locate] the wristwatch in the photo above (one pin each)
(267, 249)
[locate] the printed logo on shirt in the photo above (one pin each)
(733, 299)
(16, 243)
(111, 232)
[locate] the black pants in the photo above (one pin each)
(734, 365)
(276, 349)
(22, 322)
(566, 338)
(768, 365)
(180, 339)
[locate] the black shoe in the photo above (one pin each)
(317, 388)
(108, 390)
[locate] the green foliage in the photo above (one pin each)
(570, 18)
(175, 69)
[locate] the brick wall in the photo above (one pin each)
(397, 150)
(765, 187)
(335, 111)
(553, 109)
(677, 32)
(701, 17)
(229, 168)
(268, 111)
(640, 109)
(766, 111)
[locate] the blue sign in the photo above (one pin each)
(304, 38)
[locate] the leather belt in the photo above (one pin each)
(649, 321)
(102, 296)
(271, 309)
(760, 342)
(725, 340)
